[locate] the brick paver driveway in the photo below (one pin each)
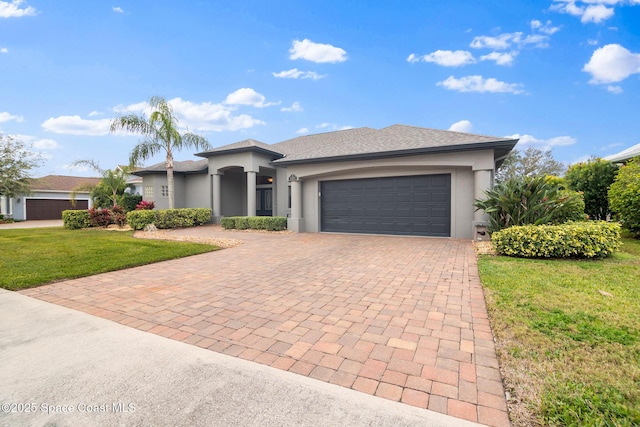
(397, 317)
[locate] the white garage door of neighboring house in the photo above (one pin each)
(51, 208)
(406, 205)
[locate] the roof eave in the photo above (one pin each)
(506, 144)
(207, 154)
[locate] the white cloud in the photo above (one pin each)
(95, 113)
(446, 58)
(588, 10)
(197, 117)
(332, 126)
(75, 125)
(548, 144)
(506, 40)
(596, 13)
(501, 58)
(248, 96)
(316, 52)
(302, 131)
(118, 9)
(461, 126)
(207, 116)
(294, 73)
(45, 144)
(480, 84)
(294, 107)
(6, 117)
(12, 9)
(612, 63)
(546, 28)
(4, 50)
(592, 42)
(614, 89)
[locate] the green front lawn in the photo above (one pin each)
(32, 257)
(568, 337)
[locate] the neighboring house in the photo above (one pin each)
(400, 180)
(50, 195)
(134, 182)
(625, 155)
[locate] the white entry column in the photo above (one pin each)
(294, 222)
(217, 200)
(251, 193)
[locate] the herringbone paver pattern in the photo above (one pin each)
(396, 317)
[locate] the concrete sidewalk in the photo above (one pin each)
(33, 224)
(70, 368)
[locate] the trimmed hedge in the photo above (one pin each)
(76, 219)
(139, 219)
(169, 218)
(594, 239)
(269, 223)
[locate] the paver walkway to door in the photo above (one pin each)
(397, 317)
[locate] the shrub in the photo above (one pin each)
(169, 218)
(269, 223)
(99, 217)
(521, 201)
(130, 201)
(596, 239)
(228, 222)
(118, 216)
(624, 196)
(144, 205)
(139, 219)
(76, 219)
(593, 179)
(242, 222)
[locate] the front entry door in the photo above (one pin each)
(264, 202)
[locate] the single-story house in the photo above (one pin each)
(400, 180)
(625, 155)
(50, 195)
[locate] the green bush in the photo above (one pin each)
(76, 219)
(269, 223)
(242, 222)
(169, 218)
(624, 196)
(593, 179)
(140, 219)
(130, 201)
(525, 200)
(228, 222)
(596, 239)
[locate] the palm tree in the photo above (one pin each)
(114, 181)
(160, 133)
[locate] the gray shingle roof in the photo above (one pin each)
(392, 140)
(625, 155)
(309, 143)
(187, 166)
(246, 145)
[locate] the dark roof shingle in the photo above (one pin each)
(62, 182)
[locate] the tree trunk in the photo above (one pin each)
(170, 179)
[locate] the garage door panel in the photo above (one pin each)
(43, 209)
(414, 205)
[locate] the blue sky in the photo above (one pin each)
(559, 74)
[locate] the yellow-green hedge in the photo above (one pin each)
(593, 239)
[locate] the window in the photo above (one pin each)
(165, 191)
(148, 192)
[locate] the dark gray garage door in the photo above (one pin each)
(404, 205)
(51, 208)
